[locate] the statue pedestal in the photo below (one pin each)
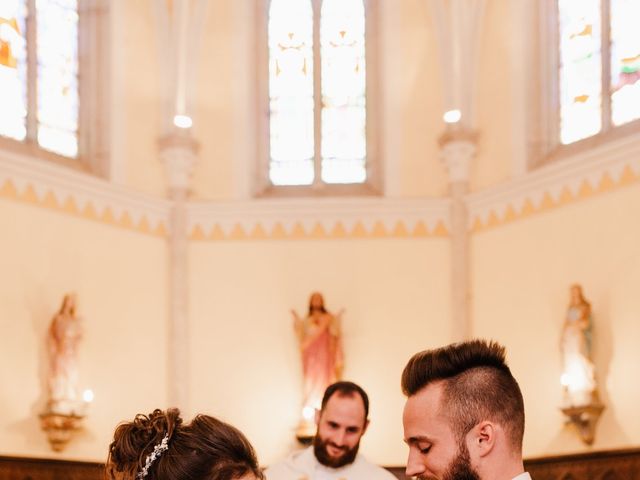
(60, 428)
(585, 418)
(305, 431)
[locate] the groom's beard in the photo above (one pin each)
(460, 467)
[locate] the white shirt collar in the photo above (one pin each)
(523, 476)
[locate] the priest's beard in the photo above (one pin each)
(320, 450)
(460, 467)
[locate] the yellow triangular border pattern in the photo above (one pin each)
(585, 191)
(317, 231)
(69, 206)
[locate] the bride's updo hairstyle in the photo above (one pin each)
(159, 446)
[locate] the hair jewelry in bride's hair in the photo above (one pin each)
(159, 446)
(157, 451)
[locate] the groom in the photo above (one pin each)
(464, 416)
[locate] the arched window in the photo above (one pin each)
(317, 93)
(48, 57)
(599, 66)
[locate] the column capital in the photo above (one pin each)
(179, 153)
(457, 149)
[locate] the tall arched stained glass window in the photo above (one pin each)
(291, 96)
(625, 61)
(344, 146)
(13, 69)
(317, 84)
(39, 73)
(57, 39)
(580, 69)
(599, 66)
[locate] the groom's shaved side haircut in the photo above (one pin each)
(478, 385)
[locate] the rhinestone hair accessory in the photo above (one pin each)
(157, 451)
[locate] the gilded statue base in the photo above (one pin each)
(59, 427)
(585, 418)
(305, 432)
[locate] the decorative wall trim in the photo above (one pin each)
(65, 190)
(582, 176)
(585, 174)
(319, 219)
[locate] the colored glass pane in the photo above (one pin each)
(342, 52)
(291, 92)
(580, 69)
(625, 61)
(57, 52)
(13, 69)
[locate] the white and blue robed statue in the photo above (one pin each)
(578, 371)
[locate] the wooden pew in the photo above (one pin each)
(603, 465)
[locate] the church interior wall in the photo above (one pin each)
(120, 279)
(245, 362)
(521, 273)
(135, 97)
(244, 366)
(408, 118)
(225, 91)
(492, 164)
(410, 90)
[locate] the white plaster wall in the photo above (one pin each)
(521, 278)
(135, 95)
(120, 279)
(244, 353)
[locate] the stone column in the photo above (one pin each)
(457, 149)
(180, 26)
(178, 151)
(458, 30)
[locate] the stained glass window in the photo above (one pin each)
(13, 69)
(301, 112)
(58, 75)
(291, 92)
(625, 61)
(580, 69)
(599, 68)
(54, 76)
(343, 91)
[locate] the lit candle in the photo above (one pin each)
(308, 413)
(182, 121)
(87, 395)
(452, 116)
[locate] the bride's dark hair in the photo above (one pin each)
(205, 449)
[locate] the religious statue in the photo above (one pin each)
(64, 336)
(578, 372)
(320, 345)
